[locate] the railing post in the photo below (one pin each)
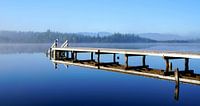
(56, 43)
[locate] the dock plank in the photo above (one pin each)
(134, 52)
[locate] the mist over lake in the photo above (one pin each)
(27, 77)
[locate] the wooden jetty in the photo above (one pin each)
(68, 55)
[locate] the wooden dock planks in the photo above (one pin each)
(134, 52)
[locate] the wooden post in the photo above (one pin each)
(54, 54)
(75, 56)
(56, 43)
(55, 65)
(92, 57)
(167, 66)
(126, 61)
(67, 54)
(114, 58)
(176, 93)
(72, 55)
(144, 60)
(170, 66)
(98, 59)
(62, 54)
(176, 74)
(186, 64)
(50, 53)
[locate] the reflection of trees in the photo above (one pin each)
(23, 48)
(176, 93)
(42, 48)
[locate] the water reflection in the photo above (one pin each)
(176, 92)
(41, 48)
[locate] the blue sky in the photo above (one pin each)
(126, 16)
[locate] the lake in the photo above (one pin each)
(28, 77)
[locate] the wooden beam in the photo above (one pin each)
(103, 53)
(85, 61)
(138, 67)
(108, 63)
(135, 55)
(165, 57)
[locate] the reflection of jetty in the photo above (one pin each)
(68, 55)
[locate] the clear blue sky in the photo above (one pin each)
(126, 16)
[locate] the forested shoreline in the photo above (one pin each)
(49, 37)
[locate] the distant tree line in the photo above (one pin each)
(49, 37)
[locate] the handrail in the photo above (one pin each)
(65, 44)
(53, 45)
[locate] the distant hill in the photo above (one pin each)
(164, 37)
(95, 33)
(49, 37)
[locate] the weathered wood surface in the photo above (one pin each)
(142, 72)
(175, 54)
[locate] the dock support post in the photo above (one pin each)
(186, 64)
(170, 66)
(67, 54)
(50, 53)
(114, 58)
(75, 56)
(144, 60)
(54, 54)
(167, 66)
(176, 93)
(176, 74)
(72, 55)
(98, 59)
(126, 61)
(92, 57)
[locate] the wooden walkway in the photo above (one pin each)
(68, 55)
(133, 52)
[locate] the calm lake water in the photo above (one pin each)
(28, 77)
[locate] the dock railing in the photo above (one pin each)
(65, 44)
